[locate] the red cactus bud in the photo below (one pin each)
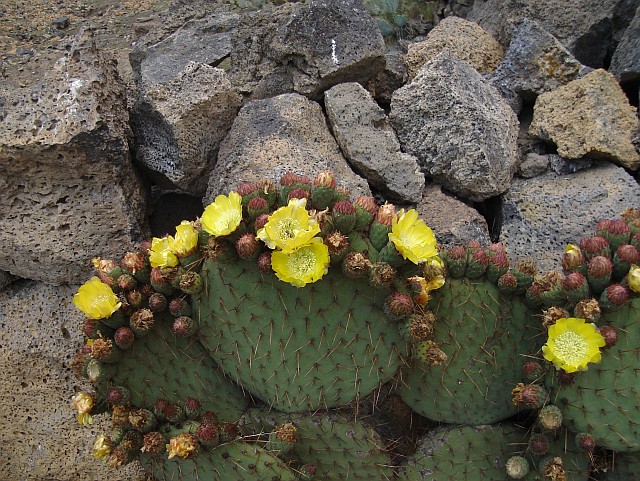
(398, 305)
(247, 245)
(208, 433)
(615, 227)
(145, 245)
(530, 395)
(133, 261)
(594, 246)
(629, 254)
(288, 179)
(356, 265)
(574, 281)
(184, 326)
(102, 349)
(344, 207)
(179, 307)
(246, 189)
(210, 416)
(610, 335)
(124, 337)
(456, 253)
(585, 441)
(91, 328)
(325, 179)
(496, 248)
(508, 280)
(600, 266)
(118, 395)
(473, 244)
(386, 214)
(157, 302)
(257, 206)
(616, 294)
(538, 444)
(299, 194)
(367, 203)
(500, 260)
(261, 221)
(264, 262)
(532, 370)
(192, 408)
(135, 298)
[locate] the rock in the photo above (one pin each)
(179, 125)
(305, 48)
(535, 62)
(39, 333)
(206, 41)
(272, 136)
(369, 143)
(5, 279)
(532, 165)
(465, 40)
(540, 216)
(67, 186)
(61, 23)
(452, 221)
(625, 64)
(460, 129)
(391, 78)
(589, 116)
(585, 27)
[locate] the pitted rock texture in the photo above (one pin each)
(540, 216)
(369, 143)
(585, 27)
(40, 437)
(272, 136)
(206, 41)
(391, 78)
(67, 186)
(5, 279)
(625, 64)
(305, 48)
(179, 125)
(452, 221)
(589, 116)
(535, 63)
(460, 129)
(465, 40)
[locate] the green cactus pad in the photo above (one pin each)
(297, 349)
(625, 466)
(484, 334)
(163, 366)
(339, 447)
(480, 453)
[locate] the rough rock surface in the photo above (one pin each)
(272, 136)
(541, 215)
(625, 64)
(305, 48)
(458, 126)
(391, 78)
(585, 27)
(452, 221)
(179, 125)
(535, 62)
(465, 40)
(369, 143)
(41, 438)
(588, 116)
(5, 279)
(67, 187)
(205, 41)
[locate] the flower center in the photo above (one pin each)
(227, 219)
(287, 228)
(570, 347)
(301, 262)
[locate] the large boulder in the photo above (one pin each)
(68, 189)
(273, 136)
(305, 48)
(369, 143)
(541, 215)
(625, 64)
(589, 116)
(459, 127)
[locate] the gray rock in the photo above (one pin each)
(452, 221)
(273, 136)
(540, 216)
(391, 78)
(625, 64)
(5, 279)
(206, 41)
(68, 190)
(533, 164)
(535, 62)
(40, 331)
(179, 125)
(588, 116)
(305, 48)
(562, 166)
(369, 143)
(458, 126)
(585, 27)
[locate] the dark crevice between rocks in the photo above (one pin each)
(168, 209)
(631, 88)
(491, 210)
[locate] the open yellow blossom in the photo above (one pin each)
(160, 254)
(572, 344)
(289, 227)
(411, 236)
(633, 278)
(83, 402)
(223, 215)
(102, 447)
(185, 241)
(304, 265)
(96, 299)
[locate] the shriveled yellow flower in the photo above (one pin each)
(411, 236)
(633, 278)
(289, 227)
(183, 446)
(423, 287)
(223, 215)
(160, 254)
(572, 344)
(83, 402)
(102, 447)
(96, 299)
(304, 265)
(185, 241)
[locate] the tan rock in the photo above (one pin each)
(589, 116)
(465, 40)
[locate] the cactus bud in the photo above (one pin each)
(135, 298)
(573, 260)
(599, 272)
(356, 265)
(119, 457)
(549, 418)
(153, 443)
(298, 194)
(343, 216)
(228, 432)
(615, 231)
(532, 371)
(283, 438)
(477, 262)
(421, 326)
(247, 246)
(538, 444)
(157, 302)
(208, 434)
(184, 326)
(261, 221)
(508, 283)
(552, 468)
(575, 287)
(160, 281)
(551, 315)
(366, 209)
(625, 257)
(585, 442)
(141, 322)
(118, 395)
(142, 420)
(614, 297)
(264, 262)
(610, 335)
(594, 246)
(588, 309)
(498, 265)
(398, 305)
(179, 307)
(257, 207)
(531, 396)
(338, 244)
(120, 416)
(456, 261)
(517, 467)
(192, 408)
(382, 274)
(126, 282)
(104, 350)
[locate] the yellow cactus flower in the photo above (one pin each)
(304, 265)
(633, 278)
(83, 402)
(183, 446)
(289, 227)
(223, 215)
(423, 287)
(96, 299)
(411, 236)
(160, 254)
(572, 344)
(185, 241)
(102, 447)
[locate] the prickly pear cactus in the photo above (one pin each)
(621, 467)
(464, 370)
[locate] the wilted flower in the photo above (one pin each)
(102, 447)
(83, 402)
